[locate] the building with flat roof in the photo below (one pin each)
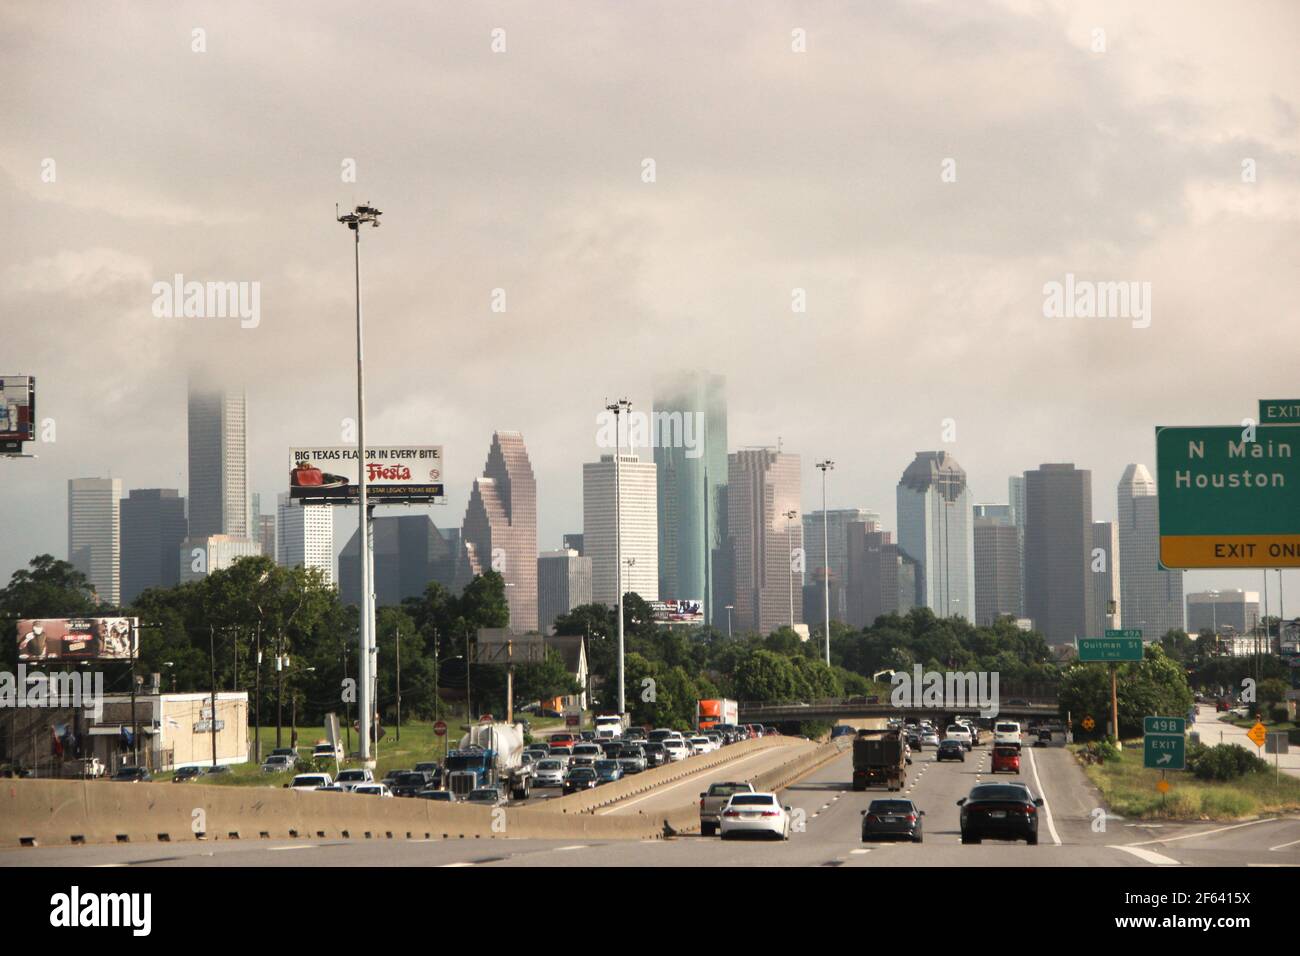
(767, 556)
(153, 525)
(934, 528)
(95, 534)
(639, 527)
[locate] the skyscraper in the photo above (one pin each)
(153, 527)
(835, 542)
(934, 528)
(1104, 565)
(218, 497)
(499, 532)
(880, 578)
(997, 564)
(200, 556)
(1060, 593)
(763, 485)
(410, 552)
(1150, 599)
(94, 533)
(690, 452)
(639, 527)
(563, 583)
(305, 537)
(1230, 611)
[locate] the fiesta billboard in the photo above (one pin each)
(394, 474)
(677, 612)
(78, 638)
(17, 411)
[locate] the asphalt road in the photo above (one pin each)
(828, 818)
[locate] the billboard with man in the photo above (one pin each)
(78, 638)
(394, 474)
(17, 411)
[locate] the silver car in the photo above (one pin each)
(550, 773)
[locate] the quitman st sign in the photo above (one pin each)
(1227, 502)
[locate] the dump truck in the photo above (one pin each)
(879, 760)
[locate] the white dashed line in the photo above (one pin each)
(1283, 846)
(1192, 836)
(1149, 855)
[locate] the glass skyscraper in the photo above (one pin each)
(935, 521)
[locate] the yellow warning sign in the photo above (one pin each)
(1257, 734)
(1162, 786)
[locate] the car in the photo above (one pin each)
(950, 749)
(959, 732)
(549, 773)
(442, 796)
(278, 763)
(913, 738)
(1006, 732)
(131, 775)
(676, 748)
(607, 771)
(716, 739)
(486, 797)
(592, 751)
(429, 766)
(289, 752)
(560, 750)
(631, 757)
(754, 813)
(1006, 760)
(186, 774)
(659, 735)
(999, 811)
(332, 788)
(655, 755)
(893, 817)
(580, 778)
(409, 784)
(587, 735)
(310, 781)
(326, 751)
(561, 740)
(373, 790)
(755, 730)
(348, 779)
(1044, 737)
(700, 745)
(216, 771)
(634, 733)
(929, 739)
(772, 731)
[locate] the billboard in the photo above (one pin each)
(78, 638)
(394, 473)
(677, 612)
(17, 411)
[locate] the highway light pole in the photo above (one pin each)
(823, 467)
(617, 407)
(363, 215)
(789, 547)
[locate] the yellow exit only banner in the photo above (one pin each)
(1230, 551)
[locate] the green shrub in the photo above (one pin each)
(1106, 750)
(1226, 804)
(1226, 762)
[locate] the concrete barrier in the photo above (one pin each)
(63, 812)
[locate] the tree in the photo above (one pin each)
(47, 587)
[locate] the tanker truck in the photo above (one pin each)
(490, 755)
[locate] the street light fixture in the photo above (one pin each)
(825, 466)
(363, 215)
(730, 608)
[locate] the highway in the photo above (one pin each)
(827, 813)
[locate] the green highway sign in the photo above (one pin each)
(1229, 499)
(1164, 725)
(1110, 648)
(1279, 411)
(1164, 752)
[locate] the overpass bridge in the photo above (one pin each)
(835, 709)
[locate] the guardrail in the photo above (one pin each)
(856, 707)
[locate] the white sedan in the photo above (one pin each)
(754, 813)
(677, 748)
(373, 790)
(700, 745)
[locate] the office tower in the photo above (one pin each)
(639, 527)
(834, 543)
(574, 542)
(218, 496)
(1104, 565)
(1016, 491)
(1230, 611)
(1059, 596)
(499, 532)
(200, 556)
(934, 528)
(997, 564)
(306, 536)
(563, 583)
(94, 534)
(1150, 599)
(266, 537)
(689, 435)
(153, 527)
(409, 553)
(880, 578)
(763, 486)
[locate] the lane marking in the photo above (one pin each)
(1150, 856)
(1190, 836)
(101, 866)
(859, 852)
(1283, 846)
(1047, 807)
(446, 865)
(295, 846)
(693, 778)
(576, 846)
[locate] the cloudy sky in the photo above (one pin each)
(1106, 140)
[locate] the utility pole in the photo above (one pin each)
(617, 408)
(823, 467)
(212, 718)
(398, 649)
(789, 547)
(1114, 701)
(363, 215)
(257, 700)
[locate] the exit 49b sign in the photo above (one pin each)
(1227, 501)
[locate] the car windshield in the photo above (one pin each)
(483, 795)
(309, 781)
(348, 775)
(890, 806)
(550, 765)
(582, 773)
(1004, 752)
(753, 800)
(1008, 728)
(606, 765)
(408, 778)
(999, 792)
(726, 789)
